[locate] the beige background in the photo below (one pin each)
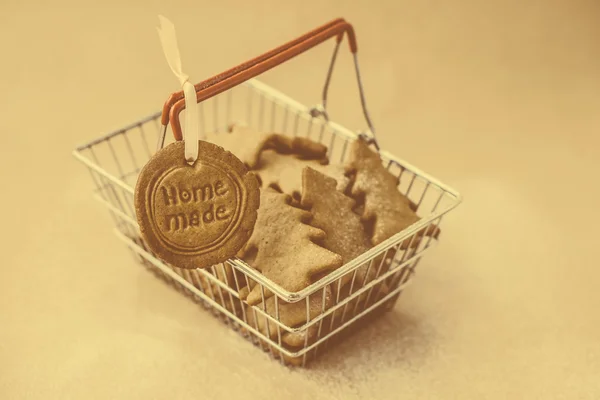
(499, 99)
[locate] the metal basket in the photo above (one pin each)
(114, 161)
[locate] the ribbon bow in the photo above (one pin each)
(168, 39)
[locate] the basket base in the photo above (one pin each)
(334, 329)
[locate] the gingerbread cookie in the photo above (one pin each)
(300, 147)
(332, 213)
(283, 247)
(247, 144)
(284, 171)
(386, 210)
(200, 215)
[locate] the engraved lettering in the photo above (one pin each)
(174, 196)
(221, 213)
(220, 188)
(185, 196)
(177, 222)
(195, 219)
(199, 205)
(203, 193)
(209, 215)
(170, 196)
(195, 216)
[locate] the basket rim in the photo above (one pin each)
(367, 256)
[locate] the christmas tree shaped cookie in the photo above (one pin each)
(386, 209)
(332, 213)
(284, 171)
(284, 248)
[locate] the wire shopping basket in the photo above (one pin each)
(115, 160)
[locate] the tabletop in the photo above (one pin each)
(498, 99)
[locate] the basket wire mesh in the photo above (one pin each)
(328, 307)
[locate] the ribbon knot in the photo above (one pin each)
(168, 39)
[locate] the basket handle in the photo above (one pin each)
(175, 97)
(248, 70)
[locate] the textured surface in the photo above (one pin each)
(332, 213)
(243, 142)
(196, 216)
(281, 239)
(285, 172)
(385, 208)
(247, 144)
(497, 98)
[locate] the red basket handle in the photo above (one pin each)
(250, 69)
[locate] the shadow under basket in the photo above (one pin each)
(325, 308)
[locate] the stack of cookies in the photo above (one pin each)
(314, 217)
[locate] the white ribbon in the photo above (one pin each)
(168, 39)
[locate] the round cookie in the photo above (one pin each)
(199, 215)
